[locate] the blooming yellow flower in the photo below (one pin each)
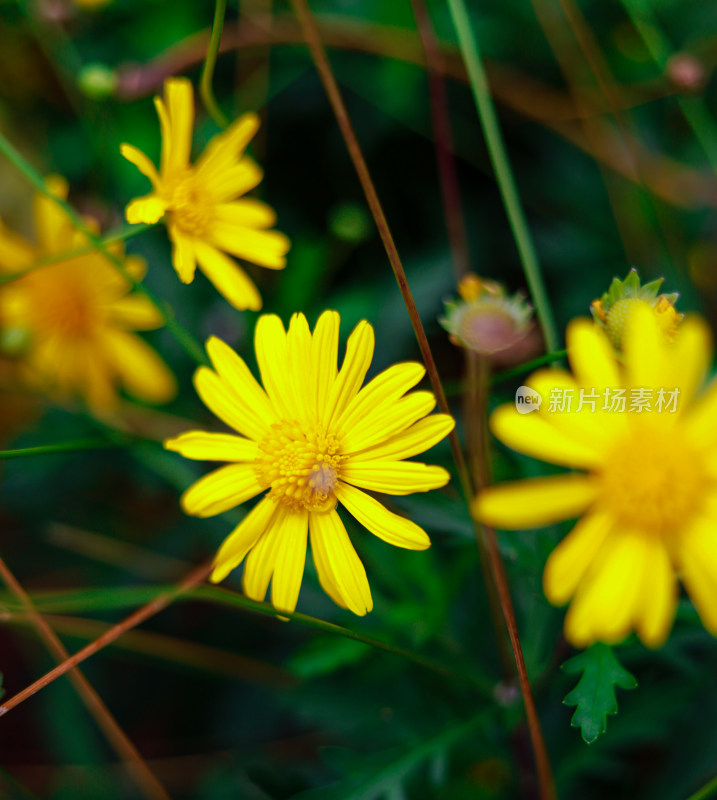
(312, 437)
(204, 218)
(648, 499)
(74, 319)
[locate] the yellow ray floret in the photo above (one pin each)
(310, 437)
(77, 316)
(202, 203)
(647, 500)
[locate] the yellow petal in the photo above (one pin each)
(586, 425)
(535, 436)
(246, 213)
(53, 226)
(592, 357)
(262, 558)
(386, 420)
(298, 342)
(227, 404)
(534, 503)
(228, 279)
(220, 490)
(240, 541)
(359, 352)
(697, 560)
(140, 160)
(290, 560)
(608, 602)
(375, 517)
(417, 439)
(688, 360)
(15, 252)
(265, 248)
(567, 564)
(179, 100)
(234, 372)
(271, 355)
(235, 181)
(395, 477)
(659, 597)
(644, 349)
(324, 357)
(149, 209)
(136, 313)
(143, 373)
(226, 148)
(340, 571)
(384, 389)
(204, 446)
(184, 254)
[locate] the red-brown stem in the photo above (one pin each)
(136, 618)
(323, 67)
(477, 432)
(143, 775)
(443, 138)
(311, 33)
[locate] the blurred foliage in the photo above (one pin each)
(225, 703)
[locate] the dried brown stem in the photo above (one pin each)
(142, 774)
(139, 616)
(328, 80)
(443, 138)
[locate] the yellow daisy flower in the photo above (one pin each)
(204, 218)
(648, 497)
(313, 438)
(73, 320)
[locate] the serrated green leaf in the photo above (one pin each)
(594, 694)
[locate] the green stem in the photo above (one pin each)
(708, 790)
(183, 336)
(64, 447)
(693, 109)
(205, 83)
(529, 366)
(111, 238)
(503, 172)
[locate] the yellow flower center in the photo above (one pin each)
(60, 303)
(189, 205)
(654, 480)
(300, 463)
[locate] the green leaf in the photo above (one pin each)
(2, 691)
(594, 695)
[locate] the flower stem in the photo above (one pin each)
(79, 445)
(145, 778)
(136, 618)
(205, 83)
(708, 790)
(190, 588)
(503, 172)
(111, 238)
(487, 540)
(181, 334)
(443, 138)
(311, 34)
(694, 109)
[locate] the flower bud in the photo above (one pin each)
(486, 320)
(612, 311)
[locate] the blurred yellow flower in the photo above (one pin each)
(649, 498)
(204, 218)
(313, 438)
(72, 322)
